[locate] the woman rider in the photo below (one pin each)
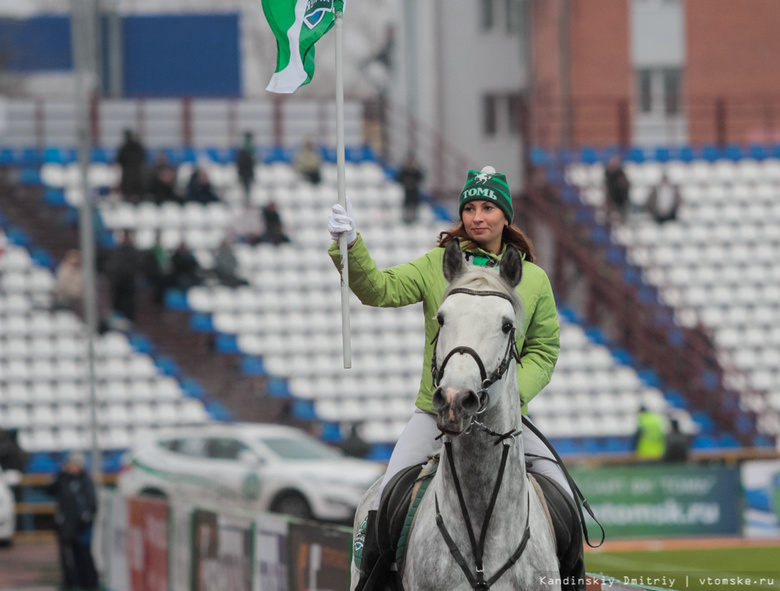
(484, 230)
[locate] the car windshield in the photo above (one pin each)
(299, 448)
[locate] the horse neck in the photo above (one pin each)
(477, 458)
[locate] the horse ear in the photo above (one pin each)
(511, 267)
(452, 264)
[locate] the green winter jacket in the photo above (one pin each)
(422, 280)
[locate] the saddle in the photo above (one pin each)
(402, 496)
(565, 524)
(398, 507)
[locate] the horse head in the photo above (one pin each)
(476, 342)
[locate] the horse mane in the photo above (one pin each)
(485, 279)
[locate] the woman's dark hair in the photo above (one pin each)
(511, 235)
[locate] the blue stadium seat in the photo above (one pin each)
(176, 299)
(41, 463)
(588, 155)
(331, 432)
(278, 387)
(662, 154)
(758, 152)
(252, 366)
(686, 154)
(200, 322)
(55, 197)
(101, 155)
(218, 412)
(304, 410)
(538, 156)
(649, 377)
(710, 153)
(192, 389)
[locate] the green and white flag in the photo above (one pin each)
(297, 26)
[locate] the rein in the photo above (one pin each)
(477, 578)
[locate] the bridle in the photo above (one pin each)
(477, 578)
(487, 381)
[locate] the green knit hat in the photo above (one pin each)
(487, 185)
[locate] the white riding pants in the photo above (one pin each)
(418, 441)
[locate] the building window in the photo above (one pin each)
(488, 14)
(672, 90)
(501, 114)
(489, 114)
(513, 15)
(501, 14)
(645, 82)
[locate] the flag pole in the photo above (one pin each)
(342, 190)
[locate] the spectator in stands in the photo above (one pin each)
(617, 187)
(355, 445)
(162, 180)
(677, 443)
(131, 159)
(308, 162)
(410, 176)
(199, 188)
(649, 441)
(157, 268)
(226, 265)
(123, 269)
(186, 271)
(664, 201)
(76, 504)
(274, 230)
(69, 288)
(484, 231)
(245, 165)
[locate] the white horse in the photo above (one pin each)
(480, 524)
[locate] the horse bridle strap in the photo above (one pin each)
(498, 373)
(477, 579)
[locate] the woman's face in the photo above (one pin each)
(484, 223)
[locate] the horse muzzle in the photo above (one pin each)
(455, 409)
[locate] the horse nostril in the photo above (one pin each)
(470, 402)
(438, 400)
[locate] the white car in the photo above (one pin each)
(262, 467)
(7, 506)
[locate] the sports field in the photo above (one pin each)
(725, 565)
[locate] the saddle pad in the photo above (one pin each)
(540, 494)
(565, 523)
(397, 508)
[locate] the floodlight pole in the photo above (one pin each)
(84, 36)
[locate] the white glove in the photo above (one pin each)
(341, 221)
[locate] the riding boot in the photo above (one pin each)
(370, 560)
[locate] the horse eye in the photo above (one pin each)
(440, 319)
(507, 327)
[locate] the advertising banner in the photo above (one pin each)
(181, 548)
(318, 557)
(147, 547)
(660, 500)
(223, 552)
(761, 484)
(117, 569)
(270, 553)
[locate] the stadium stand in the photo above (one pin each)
(286, 323)
(284, 327)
